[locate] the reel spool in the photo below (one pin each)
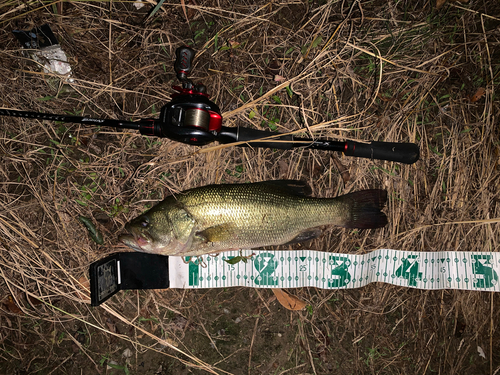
(198, 118)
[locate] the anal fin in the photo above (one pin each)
(306, 235)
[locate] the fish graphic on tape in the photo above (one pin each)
(265, 264)
(485, 277)
(340, 275)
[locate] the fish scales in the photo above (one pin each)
(258, 217)
(225, 217)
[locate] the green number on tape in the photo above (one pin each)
(485, 277)
(194, 271)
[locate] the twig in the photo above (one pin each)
(251, 346)
(210, 338)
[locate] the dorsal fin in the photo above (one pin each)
(295, 187)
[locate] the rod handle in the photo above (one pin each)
(407, 153)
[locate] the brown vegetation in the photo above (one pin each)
(384, 70)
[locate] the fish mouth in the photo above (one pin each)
(136, 243)
(129, 240)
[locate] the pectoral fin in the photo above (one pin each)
(217, 233)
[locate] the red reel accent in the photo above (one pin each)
(215, 121)
(183, 91)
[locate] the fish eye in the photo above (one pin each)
(144, 222)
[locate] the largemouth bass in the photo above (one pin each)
(217, 218)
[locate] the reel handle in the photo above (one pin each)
(183, 62)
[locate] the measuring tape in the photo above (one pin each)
(295, 269)
(300, 268)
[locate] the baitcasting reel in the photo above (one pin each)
(192, 118)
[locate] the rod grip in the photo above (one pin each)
(407, 153)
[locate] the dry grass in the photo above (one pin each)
(392, 71)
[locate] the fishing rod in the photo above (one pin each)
(192, 118)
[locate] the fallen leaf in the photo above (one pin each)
(481, 352)
(342, 169)
(111, 325)
(139, 4)
(440, 3)
(385, 98)
(93, 231)
(191, 12)
(10, 303)
(127, 353)
(85, 286)
(235, 260)
(178, 323)
(284, 167)
(289, 301)
(460, 328)
(274, 67)
(317, 41)
(478, 95)
(315, 170)
(33, 301)
(306, 49)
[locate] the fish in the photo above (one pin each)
(216, 218)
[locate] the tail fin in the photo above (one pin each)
(364, 209)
